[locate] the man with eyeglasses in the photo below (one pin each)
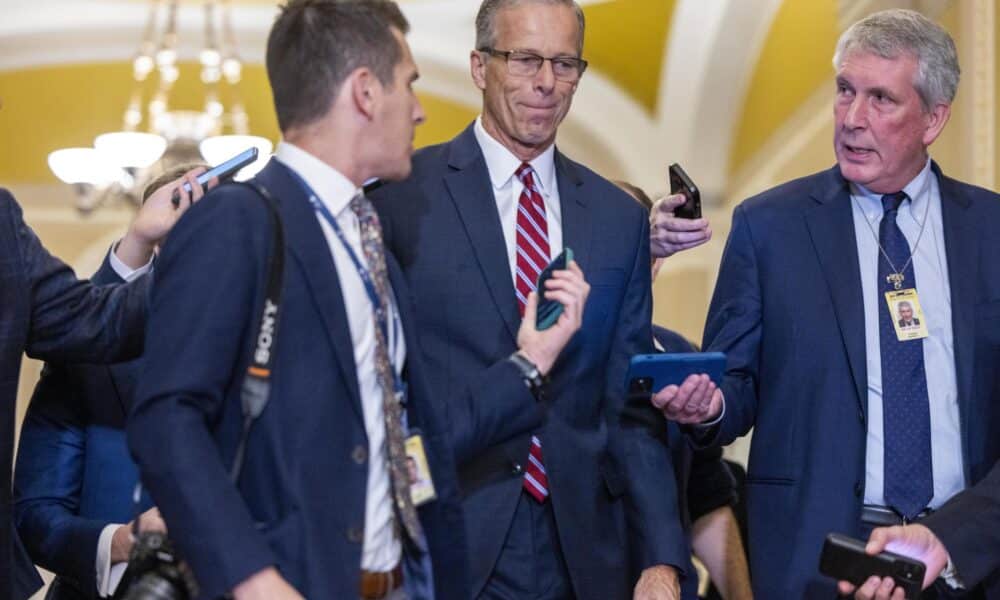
(473, 225)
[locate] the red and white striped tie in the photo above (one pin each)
(532, 257)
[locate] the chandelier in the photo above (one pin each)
(155, 136)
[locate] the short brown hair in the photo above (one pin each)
(636, 192)
(315, 44)
(166, 177)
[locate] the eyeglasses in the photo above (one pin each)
(527, 64)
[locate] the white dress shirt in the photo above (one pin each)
(381, 549)
(109, 575)
(930, 266)
(501, 164)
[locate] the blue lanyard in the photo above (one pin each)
(381, 312)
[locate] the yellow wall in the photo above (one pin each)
(626, 41)
(794, 61)
(950, 149)
(996, 97)
(48, 108)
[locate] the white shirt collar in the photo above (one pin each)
(501, 162)
(333, 188)
(917, 190)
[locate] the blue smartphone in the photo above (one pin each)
(549, 310)
(650, 373)
(222, 171)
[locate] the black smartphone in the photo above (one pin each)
(680, 183)
(845, 558)
(549, 310)
(223, 171)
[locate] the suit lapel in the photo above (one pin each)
(960, 240)
(831, 226)
(468, 183)
(306, 242)
(576, 221)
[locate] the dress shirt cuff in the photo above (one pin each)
(950, 576)
(716, 420)
(108, 575)
(124, 271)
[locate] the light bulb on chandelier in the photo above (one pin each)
(121, 162)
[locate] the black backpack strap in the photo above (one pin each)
(256, 387)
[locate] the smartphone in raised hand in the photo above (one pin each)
(680, 183)
(223, 171)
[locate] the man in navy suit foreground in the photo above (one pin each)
(74, 478)
(554, 509)
(322, 507)
(857, 422)
(48, 313)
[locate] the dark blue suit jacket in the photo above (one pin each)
(801, 382)
(300, 502)
(443, 226)
(74, 475)
(969, 527)
(50, 314)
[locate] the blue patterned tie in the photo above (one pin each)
(909, 484)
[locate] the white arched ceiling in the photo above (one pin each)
(711, 53)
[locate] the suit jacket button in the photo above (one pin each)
(359, 455)
(517, 469)
(356, 535)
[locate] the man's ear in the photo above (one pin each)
(937, 118)
(477, 66)
(365, 90)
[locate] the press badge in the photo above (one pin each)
(907, 316)
(421, 484)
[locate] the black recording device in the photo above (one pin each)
(155, 571)
(680, 183)
(844, 558)
(223, 171)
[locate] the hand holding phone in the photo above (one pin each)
(223, 171)
(549, 310)
(680, 183)
(844, 558)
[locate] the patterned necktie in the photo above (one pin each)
(909, 484)
(532, 243)
(371, 245)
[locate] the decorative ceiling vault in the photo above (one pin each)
(702, 82)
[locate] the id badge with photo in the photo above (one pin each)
(907, 316)
(421, 484)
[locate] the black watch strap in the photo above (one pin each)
(529, 372)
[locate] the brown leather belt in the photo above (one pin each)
(883, 516)
(375, 586)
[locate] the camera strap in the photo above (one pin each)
(256, 388)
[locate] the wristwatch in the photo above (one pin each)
(533, 378)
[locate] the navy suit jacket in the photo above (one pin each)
(443, 226)
(300, 501)
(801, 382)
(74, 475)
(50, 314)
(969, 527)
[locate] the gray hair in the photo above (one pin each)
(486, 19)
(892, 33)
